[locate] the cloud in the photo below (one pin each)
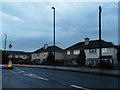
(10, 17)
(30, 24)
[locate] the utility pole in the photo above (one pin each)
(5, 42)
(100, 10)
(54, 31)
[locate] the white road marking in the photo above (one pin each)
(43, 78)
(35, 76)
(17, 69)
(75, 86)
(26, 74)
(17, 72)
(20, 72)
(12, 71)
(29, 74)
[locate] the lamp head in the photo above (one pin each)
(100, 8)
(53, 7)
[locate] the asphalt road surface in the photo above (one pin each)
(24, 77)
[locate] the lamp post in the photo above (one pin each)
(100, 10)
(10, 57)
(54, 31)
(5, 41)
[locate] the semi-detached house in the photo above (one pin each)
(91, 48)
(41, 54)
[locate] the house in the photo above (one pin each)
(41, 54)
(17, 54)
(91, 48)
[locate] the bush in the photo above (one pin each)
(81, 58)
(20, 61)
(59, 62)
(106, 65)
(90, 66)
(50, 59)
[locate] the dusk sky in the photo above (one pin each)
(29, 25)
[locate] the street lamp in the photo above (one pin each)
(100, 10)
(5, 41)
(54, 31)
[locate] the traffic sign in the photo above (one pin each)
(10, 45)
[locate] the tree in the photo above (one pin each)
(5, 58)
(50, 58)
(81, 58)
(118, 53)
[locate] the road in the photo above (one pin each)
(24, 77)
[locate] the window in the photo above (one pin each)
(21, 56)
(16, 56)
(34, 55)
(76, 52)
(24, 56)
(38, 55)
(104, 50)
(92, 51)
(68, 52)
(91, 62)
(10, 56)
(45, 53)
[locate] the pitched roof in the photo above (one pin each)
(92, 44)
(48, 49)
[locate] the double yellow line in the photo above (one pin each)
(3, 65)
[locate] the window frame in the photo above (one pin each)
(92, 51)
(68, 52)
(104, 50)
(76, 52)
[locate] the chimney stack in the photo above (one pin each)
(86, 41)
(45, 46)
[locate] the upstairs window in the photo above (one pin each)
(45, 53)
(92, 51)
(76, 52)
(34, 55)
(104, 50)
(24, 56)
(68, 52)
(38, 55)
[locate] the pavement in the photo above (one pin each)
(26, 77)
(75, 69)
